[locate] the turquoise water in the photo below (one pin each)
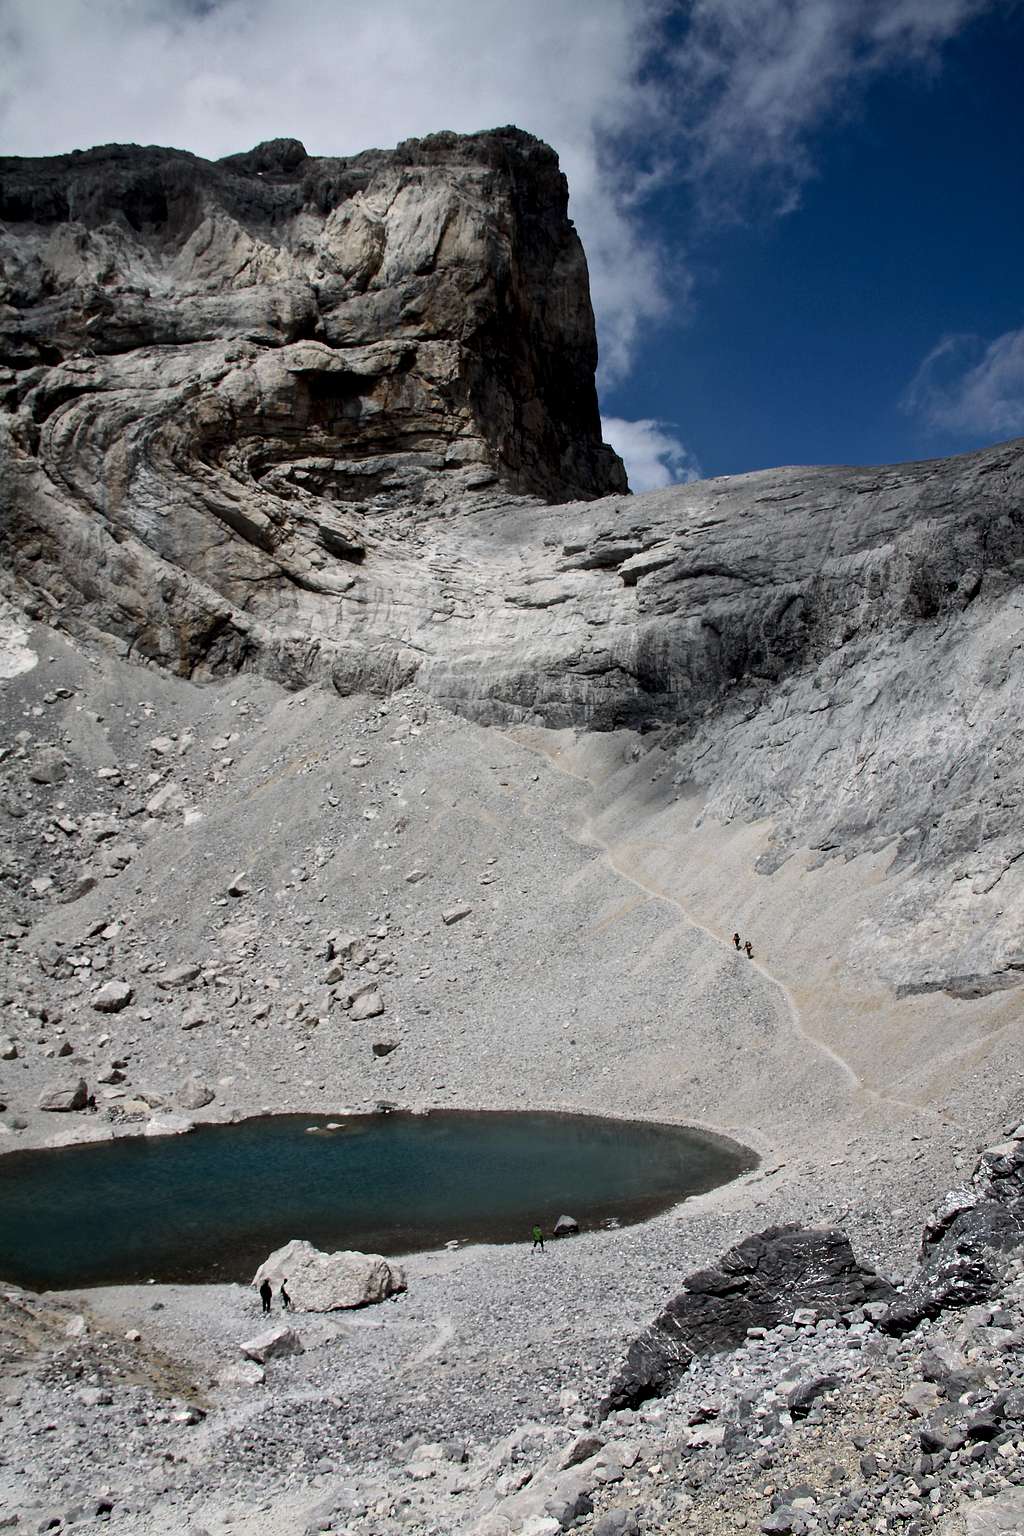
(212, 1204)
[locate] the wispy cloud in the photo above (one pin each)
(758, 78)
(652, 453)
(969, 387)
(724, 94)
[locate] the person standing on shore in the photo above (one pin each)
(265, 1294)
(736, 940)
(286, 1301)
(538, 1240)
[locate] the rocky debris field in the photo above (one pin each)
(473, 1401)
(309, 880)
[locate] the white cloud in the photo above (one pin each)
(654, 457)
(217, 76)
(731, 105)
(968, 386)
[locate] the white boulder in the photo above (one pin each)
(273, 1344)
(326, 1282)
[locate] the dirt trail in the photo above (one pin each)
(616, 857)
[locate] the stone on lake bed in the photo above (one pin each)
(455, 915)
(273, 1344)
(169, 1125)
(64, 1097)
(328, 1282)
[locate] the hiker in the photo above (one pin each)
(736, 940)
(265, 1295)
(749, 949)
(286, 1301)
(538, 1240)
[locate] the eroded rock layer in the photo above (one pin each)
(307, 417)
(219, 379)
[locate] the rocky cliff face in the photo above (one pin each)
(219, 379)
(307, 417)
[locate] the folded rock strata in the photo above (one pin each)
(307, 416)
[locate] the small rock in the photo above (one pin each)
(246, 1374)
(369, 1005)
(49, 766)
(274, 1344)
(455, 915)
(195, 1095)
(178, 976)
(112, 997)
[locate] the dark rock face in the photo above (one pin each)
(965, 1242)
(757, 1284)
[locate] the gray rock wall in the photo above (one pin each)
(306, 417)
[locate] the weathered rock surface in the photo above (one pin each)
(273, 1344)
(64, 1097)
(281, 349)
(327, 1282)
(965, 1242)
(757, 1284)
(299, 415)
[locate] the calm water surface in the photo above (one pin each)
(211, 1205)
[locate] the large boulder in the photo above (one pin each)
(757, 1284)
(327, 1282)
(965, 1241)
(62, 1097)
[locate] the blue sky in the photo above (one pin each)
(803, 217)
(808, 333)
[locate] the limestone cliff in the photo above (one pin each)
(306, 417)
(219, 379)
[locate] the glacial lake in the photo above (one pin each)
(212, 1204)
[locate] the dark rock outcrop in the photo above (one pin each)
(964, 1244)
(757, 1284)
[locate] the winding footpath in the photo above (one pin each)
(589, 837)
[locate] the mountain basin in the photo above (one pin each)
(210, 1205)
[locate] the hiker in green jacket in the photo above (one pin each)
(538, 1240)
